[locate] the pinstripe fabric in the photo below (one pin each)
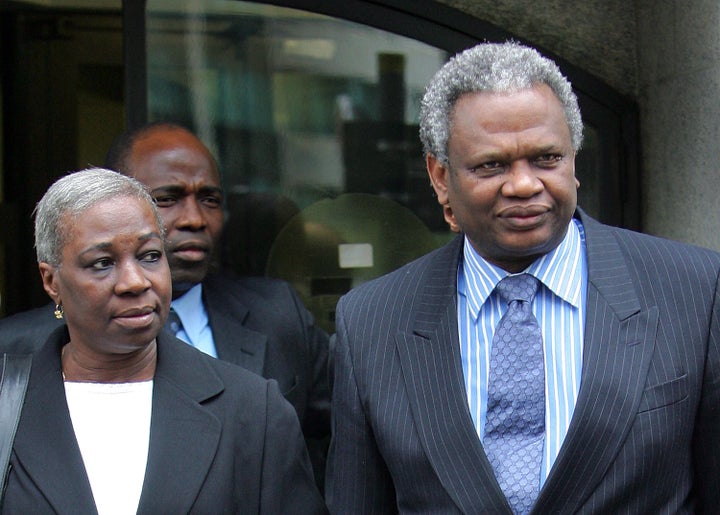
(644, 434)
(559, 309)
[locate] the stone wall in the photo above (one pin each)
(595, 35)
(665, 54)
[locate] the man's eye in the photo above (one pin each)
(212, 201)
(548, 160)
(489, 168)
(165, 200)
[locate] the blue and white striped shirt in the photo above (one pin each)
(559, 307)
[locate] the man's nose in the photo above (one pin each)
(522, 180)
(192, 216)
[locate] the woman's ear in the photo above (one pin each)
(48, 274)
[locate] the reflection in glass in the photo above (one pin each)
(302, 109)
(299, 109)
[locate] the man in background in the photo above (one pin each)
(258, 323)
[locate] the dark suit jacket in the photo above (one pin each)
(258, 323)
(27, 331)
(645, 434)
(222, 440)
(262, 325)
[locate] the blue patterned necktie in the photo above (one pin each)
(173, 323)
(515, 420)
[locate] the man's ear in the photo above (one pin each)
(438, 173)
(439, 178)
(48, 274)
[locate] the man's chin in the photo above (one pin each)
(183, 280)
(180, 287)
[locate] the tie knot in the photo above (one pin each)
(517, 287)
(173, 322)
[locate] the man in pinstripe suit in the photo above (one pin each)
(630, 325)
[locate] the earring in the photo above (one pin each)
(59, 311)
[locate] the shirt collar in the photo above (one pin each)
(190, 309)
(560, 270)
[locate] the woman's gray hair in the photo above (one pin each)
(497, 68)
(72, 195)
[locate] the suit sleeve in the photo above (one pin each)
(316, 417)
(316, 422)
(357, 479)
(706, 441)
(287, 479)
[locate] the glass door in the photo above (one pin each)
(314, 122)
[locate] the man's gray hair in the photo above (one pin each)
(492, 67)
(71, 196)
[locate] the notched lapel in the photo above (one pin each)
(184, 435)
(241, 346)
(618, 346)
(431, 366)
(234, 342)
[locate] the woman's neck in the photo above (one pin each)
(81, 365)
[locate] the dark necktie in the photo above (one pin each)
(515, 419)
(173, 323)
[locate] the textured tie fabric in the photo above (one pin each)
(515, 419)
(173, 323)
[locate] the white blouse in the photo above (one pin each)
(112, 428)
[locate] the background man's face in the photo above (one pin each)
(182, 178)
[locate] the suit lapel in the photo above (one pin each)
(234, 342)
(619, 342)
(431, 365)
(56, 466)
(184, 436)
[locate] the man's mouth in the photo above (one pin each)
(524, 217)
(191, 254)
(190, 251)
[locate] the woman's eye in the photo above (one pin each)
(102, 264)
(151, 257)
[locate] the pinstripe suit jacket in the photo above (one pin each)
(645, 434)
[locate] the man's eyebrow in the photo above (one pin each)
(178, 189)
(211, 189)
(170, 188)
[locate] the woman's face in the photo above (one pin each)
(113, 281)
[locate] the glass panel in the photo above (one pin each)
(62, 105)
(313, 120)
(314, 123)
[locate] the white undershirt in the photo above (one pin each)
(112, 427)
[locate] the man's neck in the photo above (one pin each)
(180, 289)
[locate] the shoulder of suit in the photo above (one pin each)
(663, 248)
(174, 355)
(221, 285)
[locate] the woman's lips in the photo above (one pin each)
(136, 317)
